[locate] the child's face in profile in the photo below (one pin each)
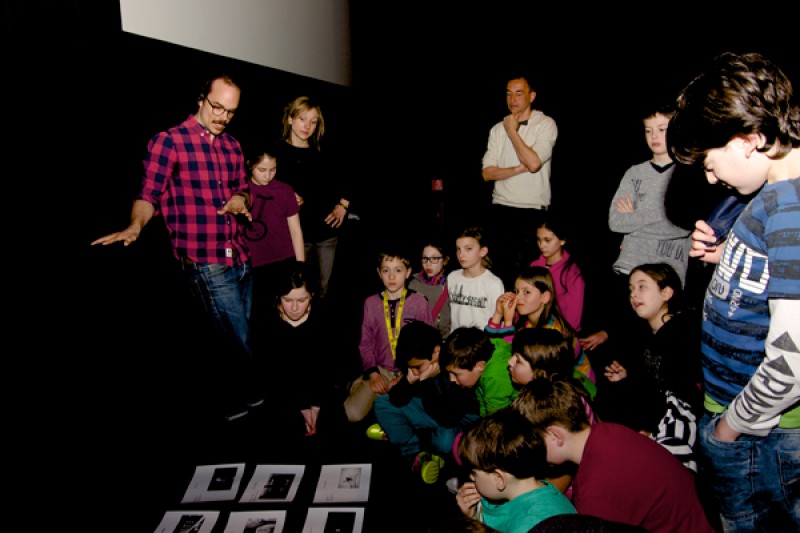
(549, 244)
(423, 367)
(264, 171)
(394, 273)
(520, 369)
(466, 379)
(486, 485)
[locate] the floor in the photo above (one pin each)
(136, 416)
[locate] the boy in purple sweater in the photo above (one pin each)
(384, 315)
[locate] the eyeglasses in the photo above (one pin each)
(435, 260)
(218, 109)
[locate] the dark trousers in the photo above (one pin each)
(512, 240)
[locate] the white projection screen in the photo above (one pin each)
(306, 37)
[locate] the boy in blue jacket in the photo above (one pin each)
(424, 411)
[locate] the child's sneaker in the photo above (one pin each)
(376, 432)
(452, 485)
(429, 467)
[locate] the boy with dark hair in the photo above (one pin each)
(741, 121)
(473, 360)
(424, 410)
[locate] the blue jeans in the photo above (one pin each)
(322, 255)
(755, 481)
(403, 425)
(225, 294)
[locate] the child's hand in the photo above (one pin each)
(378, 384)
(509, 308)
(431, 371)
(703, 243)
(615, 372)
(468, 498)
(625, 205)
(590, 342)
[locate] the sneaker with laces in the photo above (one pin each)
(376, 432)
(430, 465)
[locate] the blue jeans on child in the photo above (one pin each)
(403, 426)
(755, 481)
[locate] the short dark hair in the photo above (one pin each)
(465, 346)
(416, 341)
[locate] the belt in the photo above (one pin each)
(188, 263)
(191, 264)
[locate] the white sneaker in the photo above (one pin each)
(452, 485)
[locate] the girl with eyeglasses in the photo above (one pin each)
(431, 282)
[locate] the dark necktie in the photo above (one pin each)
(522, 123)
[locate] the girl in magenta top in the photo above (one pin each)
(568, 280)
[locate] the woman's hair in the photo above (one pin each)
(665, 276)
(296, 107)
(297, 277)
(546, 350)
(477, 233)
(504, 440)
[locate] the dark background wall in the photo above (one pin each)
(108, 335)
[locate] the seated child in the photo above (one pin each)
(622, 475)
(656, 389)
(473, 360)
(545, 353)
(533, 304)
(384, 315)
(508, 460)
(424, 409)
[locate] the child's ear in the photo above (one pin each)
(435, 355)
(547, 296)
(556, 435)
(480, 366)
(667, 293)
(500, 479)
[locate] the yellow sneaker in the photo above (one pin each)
(430, 465)
(376, 432)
